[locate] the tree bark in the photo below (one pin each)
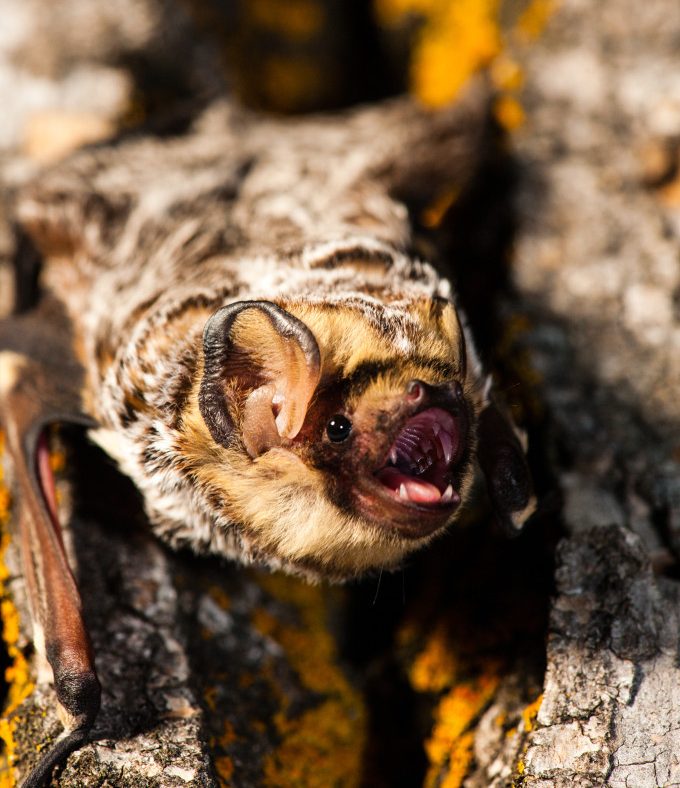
(596, 265)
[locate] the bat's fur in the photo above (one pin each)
(144, 240)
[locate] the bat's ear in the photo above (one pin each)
(262, 366)
(501, 456)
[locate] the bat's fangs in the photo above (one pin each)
(422, 458)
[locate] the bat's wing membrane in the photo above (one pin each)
(39, 385)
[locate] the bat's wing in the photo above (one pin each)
(40, 383)
(501, 453)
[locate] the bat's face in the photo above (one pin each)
(348, 431)
(396, 453)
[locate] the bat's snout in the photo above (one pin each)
(420, 479)
(422, 459)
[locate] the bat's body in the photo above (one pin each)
(259, 348)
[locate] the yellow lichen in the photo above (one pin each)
(4, 503)
(462, 38)
(323, 745)
(458, 38)
(459, 761)
(17, 675)
(229, 735)
(432, 215)
(318, 749)
(434, 668)
(506, 73)
(530, 713)
(534, 18)
(508, 112)
(224, 766)
(450, 746)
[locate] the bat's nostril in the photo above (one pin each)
(415, 391)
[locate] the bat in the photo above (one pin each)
(240, 317)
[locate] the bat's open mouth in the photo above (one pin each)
(422, 458)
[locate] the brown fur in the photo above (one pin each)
(143, 241)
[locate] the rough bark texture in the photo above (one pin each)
(597, 267)
(213, 675)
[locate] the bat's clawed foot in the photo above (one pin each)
(79, 697)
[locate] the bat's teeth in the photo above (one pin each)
(393, 455)
(436, 427)
(447, 445)
(403, 493)
(408, 440)
(447, 495)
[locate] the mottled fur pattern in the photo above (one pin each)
(145, 239)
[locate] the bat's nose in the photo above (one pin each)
(446, 395)
(415, 391)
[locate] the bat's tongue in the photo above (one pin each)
(409, 488)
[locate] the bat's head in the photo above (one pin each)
(346, 431)
(392, 422)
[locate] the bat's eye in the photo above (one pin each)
(338, 428)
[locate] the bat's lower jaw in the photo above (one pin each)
(409, 519)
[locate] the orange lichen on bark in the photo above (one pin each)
(534, 18)
(224, 764)
(459, 38)
(432, 215)
(530, 713)
(509, 112)
(465, 674)
(450, 746)
(323, 745)
(435, 667)
(17, 675)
